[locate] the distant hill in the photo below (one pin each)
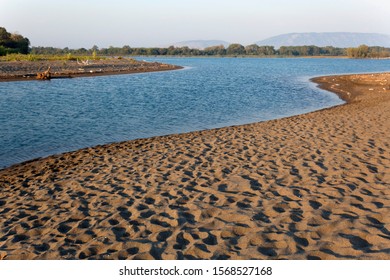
(201, 44)
(335, 39)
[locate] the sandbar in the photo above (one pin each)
(60, 69)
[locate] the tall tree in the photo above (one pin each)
(4, 36)
(13, 43)
(252, 49)
(235, 49)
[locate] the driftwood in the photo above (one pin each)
(44, 75)
(83, 62)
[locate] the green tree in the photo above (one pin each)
(235, 49)
(13, 43)
(252, 49)
(215, 50)
(4, 37)
(288, 51)
(362, 51)
(19, 43)
(3, 51)
(266, 50)
(127, 50)
(352, 52)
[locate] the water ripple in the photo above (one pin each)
(42, 118)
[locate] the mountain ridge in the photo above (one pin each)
(319, 39)
(323, 39)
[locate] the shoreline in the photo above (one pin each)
(319, 81)
(63, 69)
(311, 186)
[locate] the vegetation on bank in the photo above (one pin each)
(364, 51)
(49, 57)
(232, 50)
(11, 45)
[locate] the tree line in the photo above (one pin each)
(16, 43)
(13, 43)
(365, 51)
(220, 50)
(232, 50)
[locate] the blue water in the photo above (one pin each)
(42, 118)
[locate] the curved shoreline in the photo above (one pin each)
(312, 186)
(321, 82)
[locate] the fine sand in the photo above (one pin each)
(313, 186)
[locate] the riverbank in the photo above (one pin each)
(313, 186)
(27, 70)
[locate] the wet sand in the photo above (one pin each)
(313, 186)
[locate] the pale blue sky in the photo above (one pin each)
(84, 23)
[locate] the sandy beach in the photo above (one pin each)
(312, 186)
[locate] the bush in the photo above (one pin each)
(2, 51)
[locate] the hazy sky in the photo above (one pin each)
(148, 23)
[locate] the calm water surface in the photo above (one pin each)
(42, 118)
